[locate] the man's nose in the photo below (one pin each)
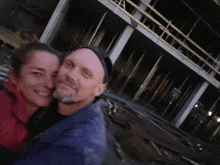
(73, 74)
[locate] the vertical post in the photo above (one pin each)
(126, 68)
(186, 96)
(215, 133)
(126, 34)
(151, 10)
(120, 43)
(156, 80)
(97, 28)
(181, 99)
(203, 119)
(193, 27)
(164, 94)
(165, 29)
(174, 97)
(187, 107)
(183, 83)
(99, 38)
(87, 35)
(136, 66)
(54, 22)
(78, 38)
(119, 4)
(74, 42)
(146, 81)
(159, 87)
(190, 31)
(111, 42)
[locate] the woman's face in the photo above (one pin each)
(37, 78)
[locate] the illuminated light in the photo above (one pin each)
(218, 119)
(209, 113)
(196, 105)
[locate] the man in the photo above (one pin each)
(78, 136)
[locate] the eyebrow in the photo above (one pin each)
(40, 69)
(69, 60)
(83, 68)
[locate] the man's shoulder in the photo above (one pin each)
(88, 123)
(91, 124)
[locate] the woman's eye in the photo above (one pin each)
(37, 73)
(54, 76)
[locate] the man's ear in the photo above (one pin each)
(99, 89)
(11, 76)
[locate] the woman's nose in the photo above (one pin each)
(50, 82)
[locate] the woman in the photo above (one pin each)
(29, 86)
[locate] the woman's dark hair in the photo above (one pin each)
(21, 55)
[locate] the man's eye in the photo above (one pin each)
(68, 64)
(86, 74)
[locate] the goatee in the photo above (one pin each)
(66, 99)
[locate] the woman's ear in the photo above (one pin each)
(11, 76)
(100, 89)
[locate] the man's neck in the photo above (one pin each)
(68, 109)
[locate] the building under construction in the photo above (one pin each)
(165, 52)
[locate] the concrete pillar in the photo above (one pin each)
(142, 6)
(55, 22)
(126, 34)
(120, 44)
(197, 93)
(189, 104)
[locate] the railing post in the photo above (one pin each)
(165, 29)
(118, 6)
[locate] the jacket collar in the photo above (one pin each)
(82, 116)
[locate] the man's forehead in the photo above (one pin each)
(85, 54)
(86, 57)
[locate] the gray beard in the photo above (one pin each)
(67, 99)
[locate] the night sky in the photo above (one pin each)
(206, 32)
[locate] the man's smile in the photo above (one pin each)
(66, 85)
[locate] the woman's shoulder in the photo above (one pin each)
(4, 99)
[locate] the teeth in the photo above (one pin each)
(43, 94)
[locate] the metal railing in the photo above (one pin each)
(173, 37)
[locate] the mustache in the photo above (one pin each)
(70, 83)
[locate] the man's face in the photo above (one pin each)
(80, 78)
